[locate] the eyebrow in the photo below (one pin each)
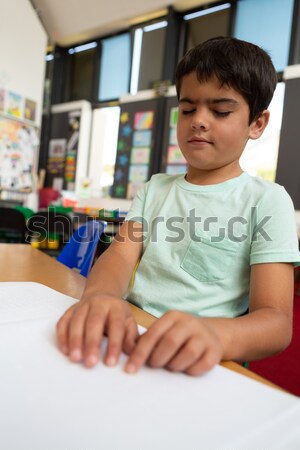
(215, 101)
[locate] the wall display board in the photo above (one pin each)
(68, 149)
(172, 161)
(135, 147)
(18, 154)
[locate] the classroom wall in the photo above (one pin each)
(23, 43)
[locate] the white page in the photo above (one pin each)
(48, 403)
(29, 300)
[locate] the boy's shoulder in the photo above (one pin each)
(262, 185)
(164, 179)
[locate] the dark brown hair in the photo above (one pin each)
(241, 65)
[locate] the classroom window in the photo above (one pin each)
(81, 71)
(148, 55)
(115, 67)
(266, 23)
(260, 155)
(207, 23)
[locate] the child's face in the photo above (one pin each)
(213, 128)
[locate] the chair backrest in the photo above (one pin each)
(46, 196)
(12, 225)
(80, 251)
(44, 224)
(27, 212)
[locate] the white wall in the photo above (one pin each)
(23, 43)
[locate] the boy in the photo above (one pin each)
(215, 247)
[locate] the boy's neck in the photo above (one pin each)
(207, 177)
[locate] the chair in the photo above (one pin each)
(47, 229)
(12, 226)
(47, 195)
(79, 253)
(27, 212)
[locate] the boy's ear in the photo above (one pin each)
(258, 125)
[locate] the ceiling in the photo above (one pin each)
(71, 21)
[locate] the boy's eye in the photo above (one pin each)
(222, 113)
(187, 111)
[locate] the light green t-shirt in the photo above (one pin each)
(200, 241)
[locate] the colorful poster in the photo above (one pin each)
(70, 167)
(56, 156)
(140, 155)
(2, 100)
(143, 120)
(14, 104)
(174, 117)
(30, 110)
(57, 148)
(142, 138)
(132, 188)
(176, 169)
(173, 136)
(175, 156)
(138, 172)
(18, 147)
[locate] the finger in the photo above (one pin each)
(207, 361)
(146, 344)
(62, 330)
(115, 333)
(131, 336)
(187, 356)
(94, 330)
(169, 345)
(76, 333)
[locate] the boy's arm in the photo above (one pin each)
(101, 308)
(193, 345)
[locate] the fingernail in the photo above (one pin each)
(76, 355)
(91, 361)
(111, 361)
(130, 368)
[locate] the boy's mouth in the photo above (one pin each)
(198, 140)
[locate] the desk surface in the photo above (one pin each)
(21, 262)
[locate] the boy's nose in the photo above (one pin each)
(199, 122)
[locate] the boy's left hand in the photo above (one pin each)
(179, 342)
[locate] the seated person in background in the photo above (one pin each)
(216, 247)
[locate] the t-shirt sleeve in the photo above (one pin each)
(274, 231)
(136, 212)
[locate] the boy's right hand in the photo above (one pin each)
(81, 328)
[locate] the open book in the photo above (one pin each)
(49, 403)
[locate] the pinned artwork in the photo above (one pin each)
(142, 138)
(176, 169)
(18, 148)
(30, 110)
(143, 120)
(175, 156)
(126, 131)
(138, 172)
(173, 137)
(173, 117)
(2, 100)
(14, 105)
(132, 189)
(56, 156)
(140, 155)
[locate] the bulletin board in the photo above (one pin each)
(19, 143)
(135, 147)
(63, 149)
(173, 162)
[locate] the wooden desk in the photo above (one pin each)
(21, 262)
